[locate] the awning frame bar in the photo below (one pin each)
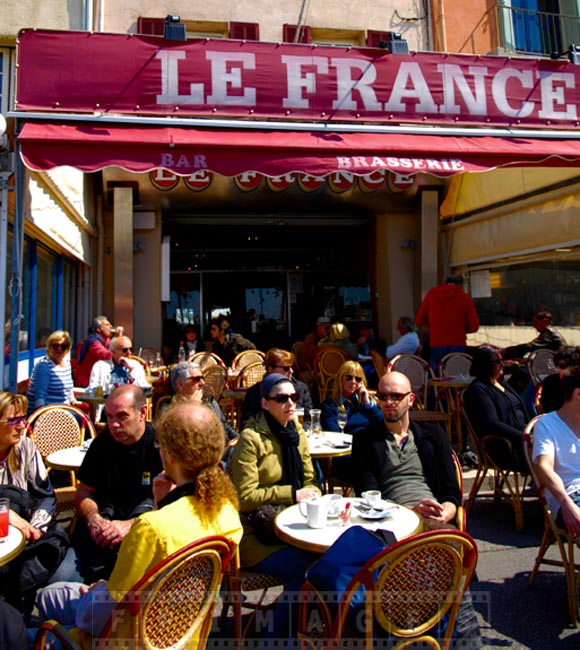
(329, 127)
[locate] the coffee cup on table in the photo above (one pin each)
(372, 498)
(315, 510)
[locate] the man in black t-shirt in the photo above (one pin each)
(115, 484)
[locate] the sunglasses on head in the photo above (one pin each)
(59, 346)
(14, 421)
(393, 397)
(351, 377)
(282, 398)
(284, 368)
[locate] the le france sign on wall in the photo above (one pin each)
(80, 72)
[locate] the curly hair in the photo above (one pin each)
(348, 368)
(194, 436)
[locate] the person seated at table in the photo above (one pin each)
(552, 393)
(339, 337)
(408, 342)
(557, 454)
(194, 499)
(118, 370)
(188, 384)
(282, 362)
(350, 395)
(409, 462)
(227, 344)
(310, 347)
(51, 381)
(191, 341)
(115, 486)
(94, 348)
(548, 338)
(24, 480)
(271, 464)
(494, 408)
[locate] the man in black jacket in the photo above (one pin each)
(409, 462)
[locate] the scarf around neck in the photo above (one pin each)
(292, 465)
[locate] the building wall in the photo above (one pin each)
(465, 26)
(45, 14)
(404, 16)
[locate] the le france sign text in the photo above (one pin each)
(79, 72)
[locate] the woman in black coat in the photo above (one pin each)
(494, 408)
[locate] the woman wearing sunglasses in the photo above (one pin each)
(271, 465)
(51, 381)
(24, 481)
(351, 397)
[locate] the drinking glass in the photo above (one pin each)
(342, 418)
(4, 515)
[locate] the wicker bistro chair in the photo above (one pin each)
(251, 374)
(327, 363)
(410, 586)
(144, 363)
(59, 426)
(149, 356)
(508, 485)
(418, 371)
(460, 517)
(246, 357)
(379, 362)
(540, 364)
(553, 532)
(170, 607)
(215, 378)
(454, 364)
(204, 359)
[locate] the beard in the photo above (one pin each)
(396, 416)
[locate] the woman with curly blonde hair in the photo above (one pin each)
(194, 499)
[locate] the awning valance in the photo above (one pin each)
(141, 148)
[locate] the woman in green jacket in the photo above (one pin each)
(271, 465)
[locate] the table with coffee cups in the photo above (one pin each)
(315, 524)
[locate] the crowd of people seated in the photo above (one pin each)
(147, 488)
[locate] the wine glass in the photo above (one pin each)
(342, 419)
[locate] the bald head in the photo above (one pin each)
(395, 398)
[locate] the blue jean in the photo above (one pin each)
(437, 353)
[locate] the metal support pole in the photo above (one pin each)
(5, 174)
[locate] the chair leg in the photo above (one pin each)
(477, 483)
(544, 545)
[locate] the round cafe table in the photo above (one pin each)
(330, 444)
(69, 459)
(12, 545)
(291, 527)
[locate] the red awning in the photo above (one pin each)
(183, 150)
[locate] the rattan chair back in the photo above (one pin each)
(540, 364)
(246, 357)
(215, 378)
(418, 371)
(251, 374)
(455, 364)
(204, 359)
(327, 363)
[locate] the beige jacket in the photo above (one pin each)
(256, 468)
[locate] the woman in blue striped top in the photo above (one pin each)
(51, 381)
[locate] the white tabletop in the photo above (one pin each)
(291, 527)
(11, 546)
(67, 459)
(329, 444)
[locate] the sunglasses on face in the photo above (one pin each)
(393, 397)
(59, 346)
(284, 368)
(282, 398)
(126, 350)
(351, 377)
(195, 380)
(14, 421)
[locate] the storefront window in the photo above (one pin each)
(519, 291)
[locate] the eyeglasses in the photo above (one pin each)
(126, 350)
(195, 380)
(282, 398)
(393, 397)
(351, 377)
(284, 368)
(14, 421)
(59, 346)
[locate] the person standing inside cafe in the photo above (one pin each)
(450, 315)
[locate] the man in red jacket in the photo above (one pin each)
(95, 348)
(450, 315)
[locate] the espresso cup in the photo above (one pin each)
(372, 497)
